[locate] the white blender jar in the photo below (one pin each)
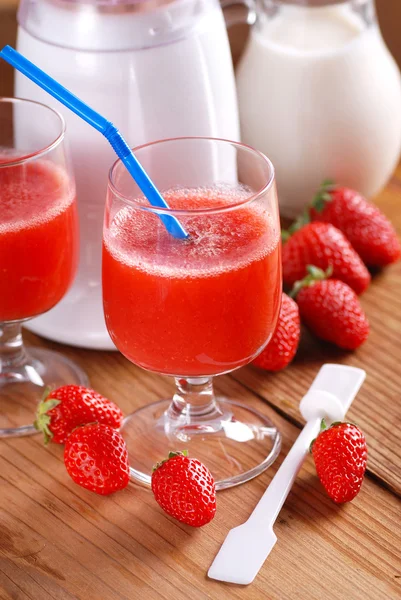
(157, 69)
(320, 94)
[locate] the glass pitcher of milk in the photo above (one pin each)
(320, 94)
(157, 69)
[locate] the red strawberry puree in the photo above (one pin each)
(200, 306)
(38, 238)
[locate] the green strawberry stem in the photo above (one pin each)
(297, 224)
(318, 203)
(323, 196)
(42, 420)
(314, 274)
(170, 455)
(302, 220)
(323, 427)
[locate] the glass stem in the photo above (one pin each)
(194, 400)
(13, 355)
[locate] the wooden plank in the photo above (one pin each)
(389, 13)
(60, 540)
(8, 31)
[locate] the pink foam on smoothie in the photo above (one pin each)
(31, 193)
(217, 241)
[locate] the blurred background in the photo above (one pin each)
(389, 13)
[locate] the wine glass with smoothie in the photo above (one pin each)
(38, 253)
(198, 307)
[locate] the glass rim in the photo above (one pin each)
(186, 211)
(41, 151)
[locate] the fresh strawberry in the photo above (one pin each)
(283, 346)
(96, 458)
(323, 245)
(340, 455)
(369, 231)
(65, 408)
(185, 489)
(331, 310)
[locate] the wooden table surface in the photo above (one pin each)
(59, 541)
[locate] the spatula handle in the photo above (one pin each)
(270, 504)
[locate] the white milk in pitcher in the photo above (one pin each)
(320, 94)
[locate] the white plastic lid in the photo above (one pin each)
(111, 25)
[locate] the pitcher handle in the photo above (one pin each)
(238, 12)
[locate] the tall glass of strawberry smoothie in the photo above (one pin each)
(198, 307)
(38, 253)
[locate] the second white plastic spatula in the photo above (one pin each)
(246, 547)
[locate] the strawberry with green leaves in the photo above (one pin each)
(185, 489)
(67, 407)
(340, 455)
(323, 245)
(368, 230)
(331, 309)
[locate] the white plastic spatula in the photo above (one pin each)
(246, 547)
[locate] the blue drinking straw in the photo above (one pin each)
(110, 132)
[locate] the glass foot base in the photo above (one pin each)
(237, 444)
(22, 389)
